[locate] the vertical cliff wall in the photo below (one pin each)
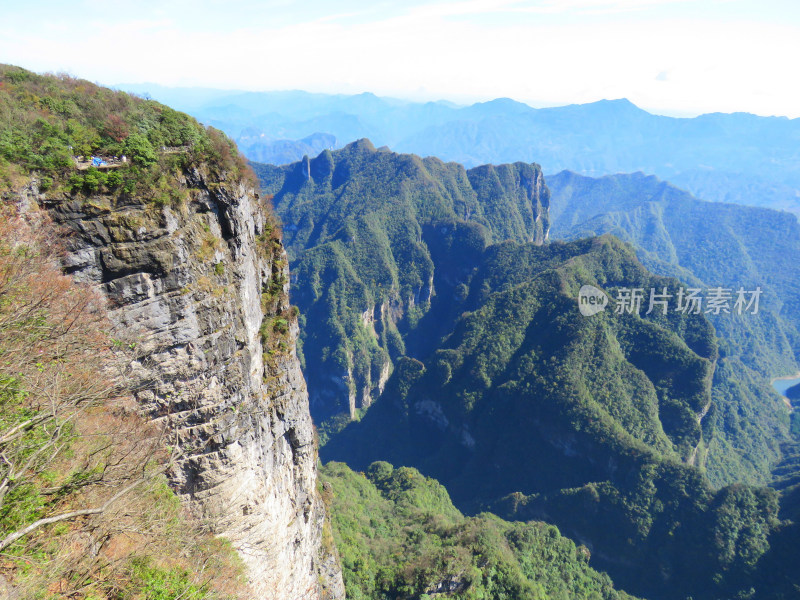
(199, 291)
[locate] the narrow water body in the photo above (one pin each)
(783, 384)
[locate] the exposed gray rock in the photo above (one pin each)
(191, 286)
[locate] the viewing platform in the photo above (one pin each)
(113, 162)
(99, 162)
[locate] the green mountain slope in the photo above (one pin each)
(707, 245)
(592, 423)
(720, 244)
(399, 536)
(359, 224)
(426, 287)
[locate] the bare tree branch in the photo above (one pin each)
(13, 537)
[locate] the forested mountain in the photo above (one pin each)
(740, 158)
(400, 536)
(591, 423)
(719, 243)
(703, 243)
(632, 434)
(363, 227)
(371, 234)
(708, 244)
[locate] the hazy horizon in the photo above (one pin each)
(131, 87)
(671, 57)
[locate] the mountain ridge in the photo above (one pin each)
(358, 224)
(714, 155)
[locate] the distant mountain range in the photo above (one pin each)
(739, 158)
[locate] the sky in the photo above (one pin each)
(677, 57)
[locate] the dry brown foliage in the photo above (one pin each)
(85, 510)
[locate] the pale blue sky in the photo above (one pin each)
(670, 56)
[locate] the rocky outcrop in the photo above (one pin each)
(515, 199)
(199, 292)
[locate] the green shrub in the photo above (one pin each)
(47, 120)
(399, 536)
(139, 149)
(158, 583)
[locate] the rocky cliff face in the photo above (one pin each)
(199, 291)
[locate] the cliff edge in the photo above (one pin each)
(199, 291)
